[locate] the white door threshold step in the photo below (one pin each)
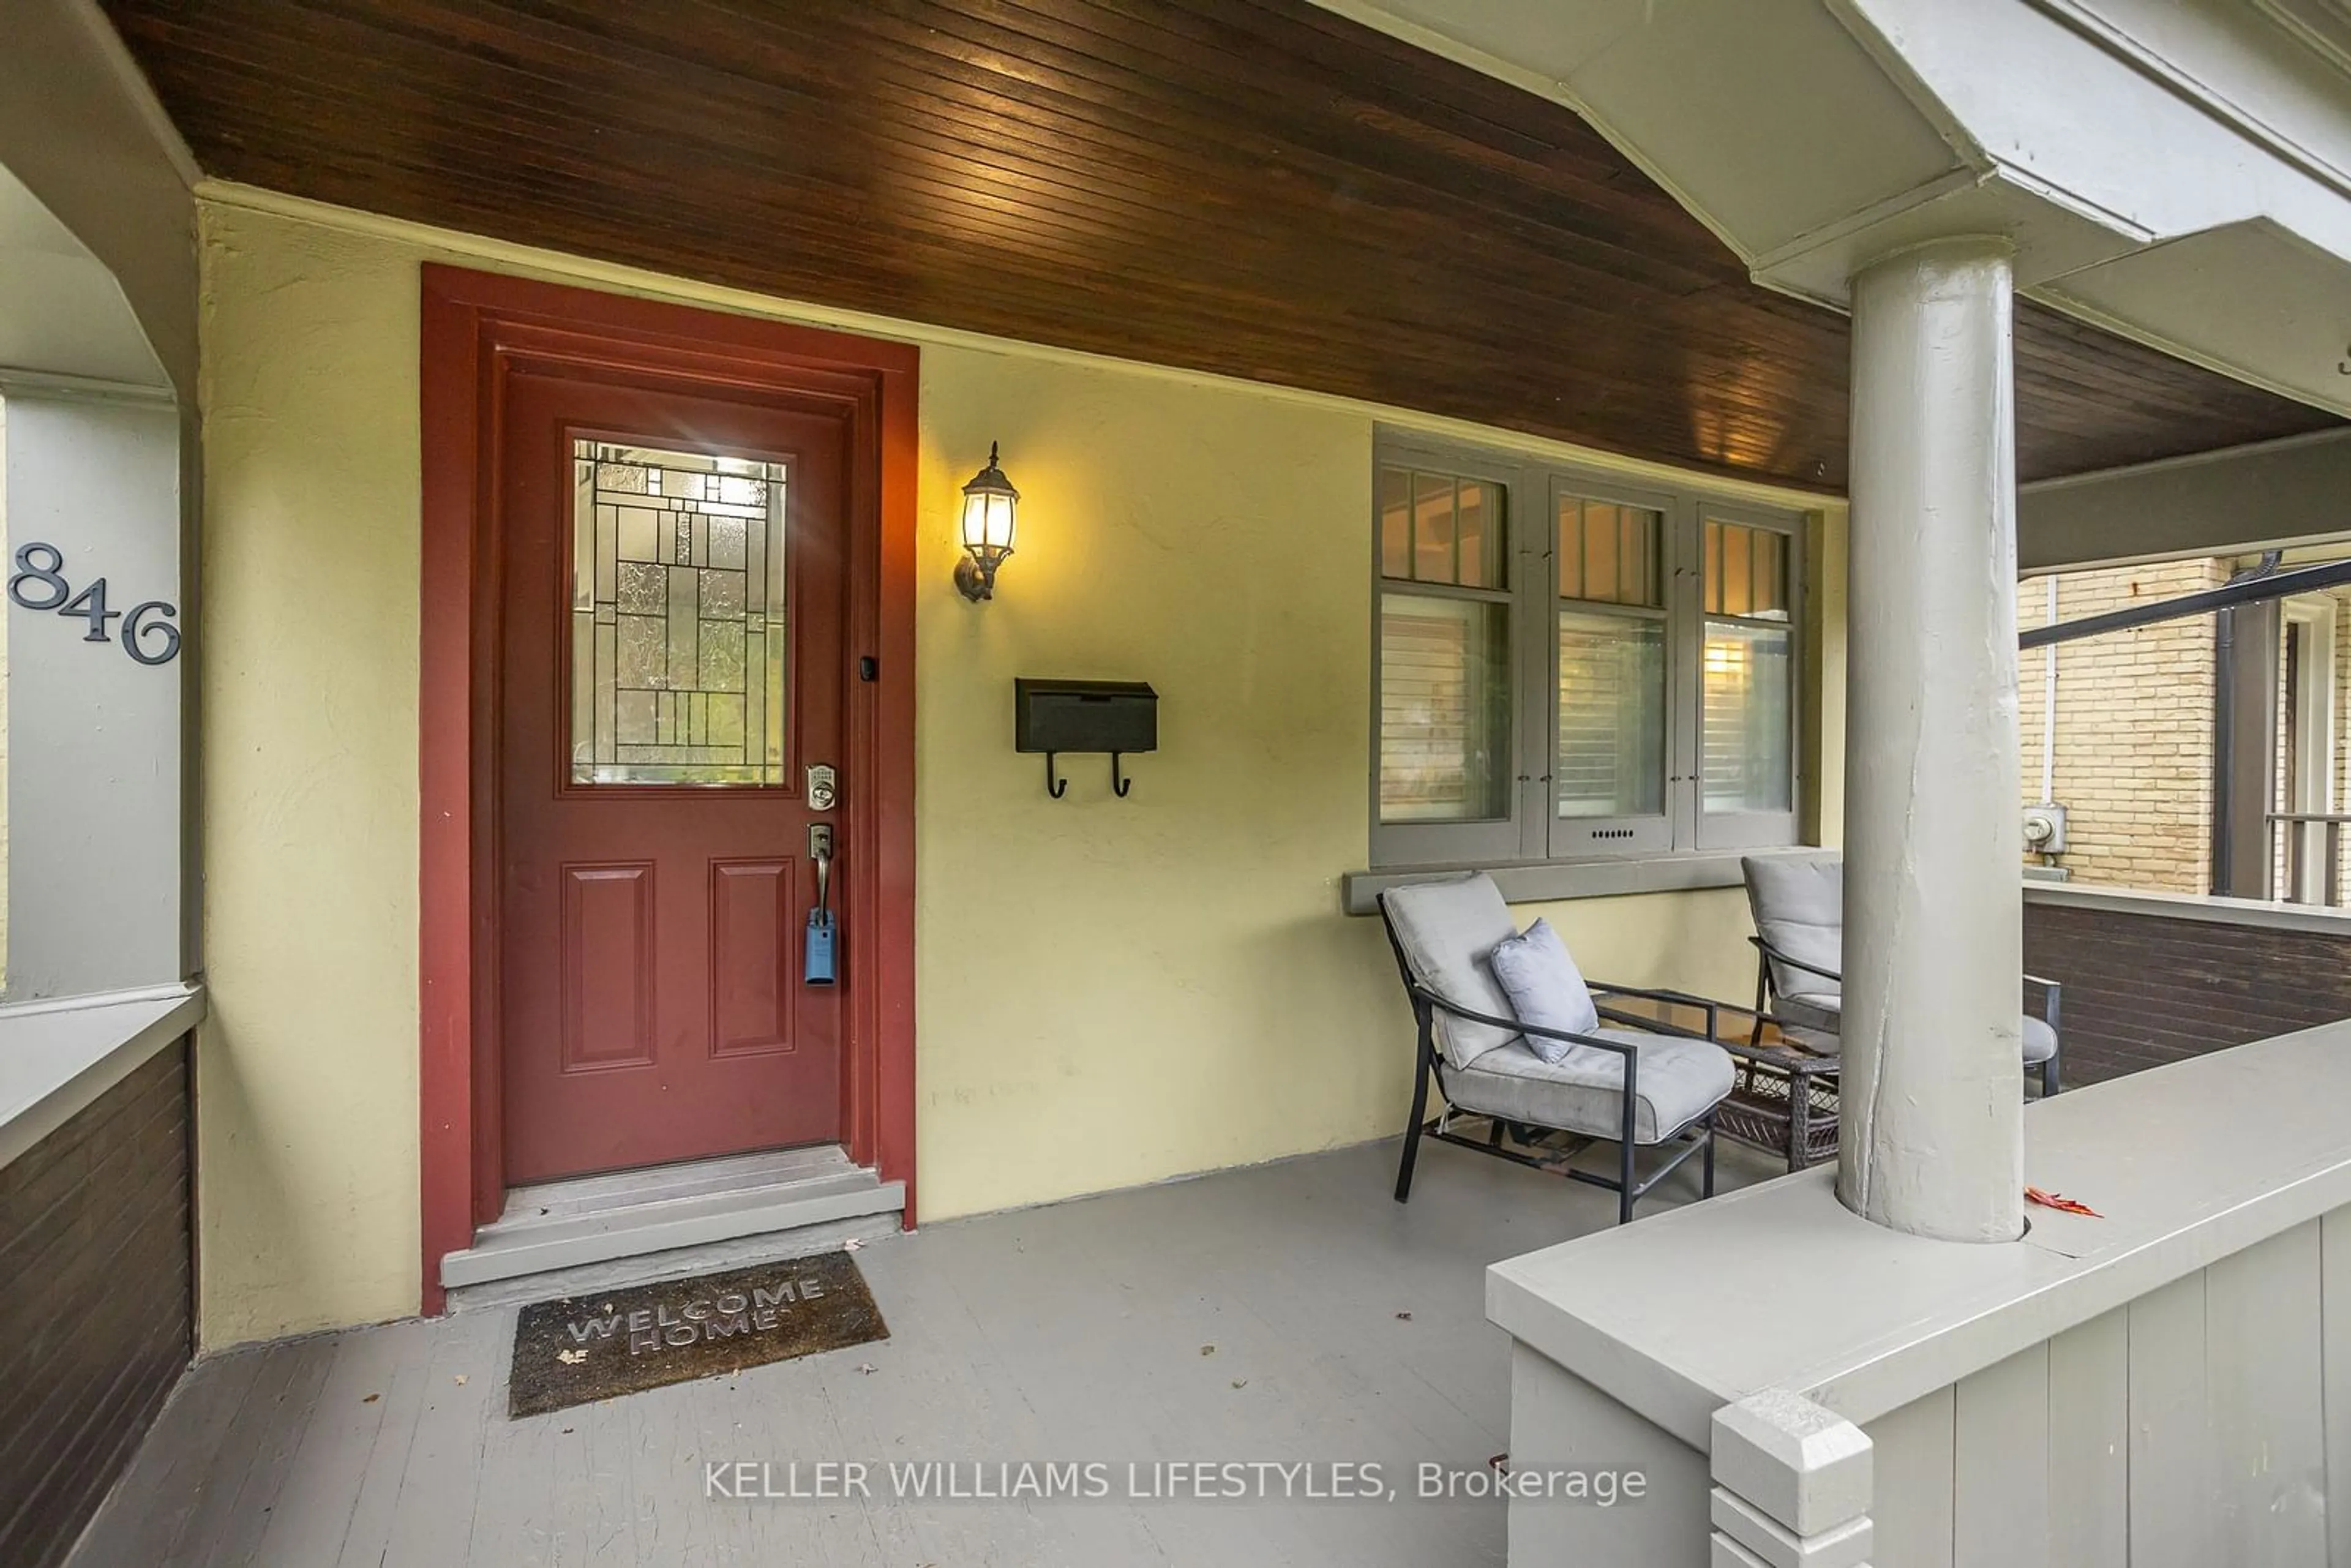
(565, 1226)
(677, 1263)
(692, 1178)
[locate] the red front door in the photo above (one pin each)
(671, 594)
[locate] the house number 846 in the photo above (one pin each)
(40, 584)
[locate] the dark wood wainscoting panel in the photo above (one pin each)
(2142, 990)
(95, 1303)
(1258, 188)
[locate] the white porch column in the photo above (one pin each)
(1932, 1099)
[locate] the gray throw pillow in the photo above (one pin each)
(1545, 988)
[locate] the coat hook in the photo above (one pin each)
(1055, 785)
(1119, 781)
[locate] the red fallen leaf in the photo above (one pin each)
(2060, 1202)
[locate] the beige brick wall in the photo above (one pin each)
(2134, 748)
(2134, 752)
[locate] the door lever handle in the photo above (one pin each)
(821, 854)
(820, 955)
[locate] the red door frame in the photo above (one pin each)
(477, 328)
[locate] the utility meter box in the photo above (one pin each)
(2044, 828)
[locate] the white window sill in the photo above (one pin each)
(57, 1057)
(1547, 882)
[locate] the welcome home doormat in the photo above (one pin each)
(580, 1349)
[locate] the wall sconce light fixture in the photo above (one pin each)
(990, 506)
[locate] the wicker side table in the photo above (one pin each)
(1783, 1102)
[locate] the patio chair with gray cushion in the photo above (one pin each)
(1798, 902)
(1640, 1085)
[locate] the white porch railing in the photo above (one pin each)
(2314, 855)
(2168, 1384)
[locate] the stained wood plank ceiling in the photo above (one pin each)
(1253, 187)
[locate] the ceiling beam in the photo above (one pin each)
(2230, 502)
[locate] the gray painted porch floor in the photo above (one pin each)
(1073, 1332)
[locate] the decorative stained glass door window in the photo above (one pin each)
(679, 626)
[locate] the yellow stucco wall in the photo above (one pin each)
(307, 1069)
(1109, 992)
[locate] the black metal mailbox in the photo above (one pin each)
(1084, 716)
(1054, 717)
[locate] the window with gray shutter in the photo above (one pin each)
(1569, 667)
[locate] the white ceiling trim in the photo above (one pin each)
(2323, 26)
(2083, 17)
(116, 54)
